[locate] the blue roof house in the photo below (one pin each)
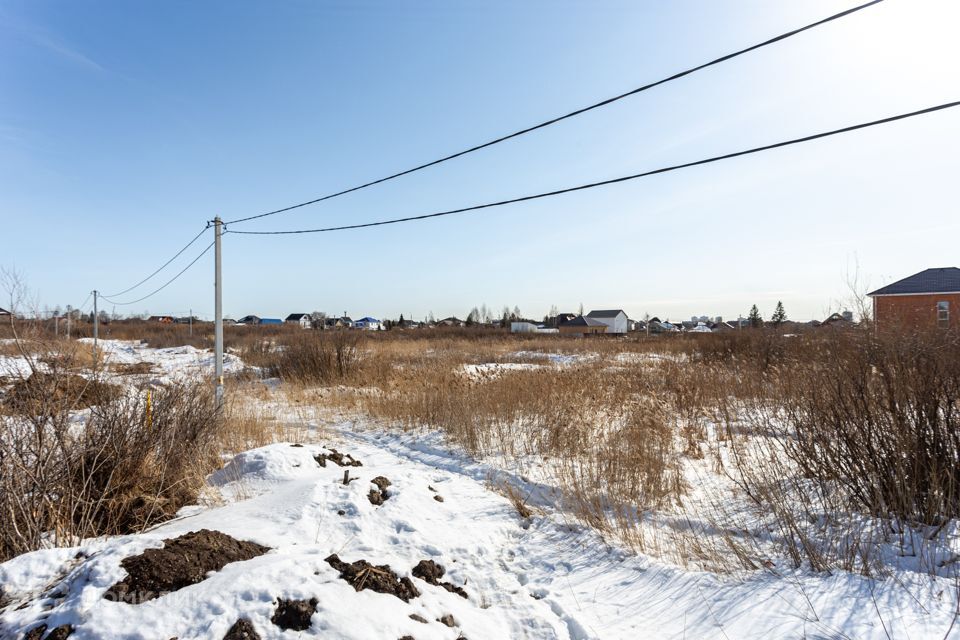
(371, 324)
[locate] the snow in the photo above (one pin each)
(170, 364)
(542, 578)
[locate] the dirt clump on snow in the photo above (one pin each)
(448, 620)
(379, 495)
(47, 393)
(59, 633)
(181, 562)
(431, 572)
(363, 575)
(339, 459)
(294, 614)
(242, 629)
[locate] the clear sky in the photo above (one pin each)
(125, 126)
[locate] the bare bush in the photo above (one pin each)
(129, 464)
(315, 357)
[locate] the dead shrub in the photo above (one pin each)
(46, 394)
(122, 469)
(314, 357)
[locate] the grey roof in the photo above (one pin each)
(940, 280)
(606, 313)
(583, 321)
(294, 317)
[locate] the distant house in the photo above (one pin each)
(4, 313)
(338, 323)
(614, 319)
(924, 300)
(186, 320)
(701, 327)
(303, 319)
(657, 326)
(229, 321)
(161, 319)
(523, 327)
(368, 323)
(249, 320)
(844, 319)
(583, 326)
(270, 321)
(720, 327)
(452, 321)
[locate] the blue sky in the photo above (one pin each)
(124, 127)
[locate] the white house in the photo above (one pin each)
(371, 324)
(615, 319)
(303, 319)
(523, 327)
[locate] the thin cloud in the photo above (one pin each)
(46, 40)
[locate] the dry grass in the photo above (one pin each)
(719, 451)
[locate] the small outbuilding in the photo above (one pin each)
(582, 326)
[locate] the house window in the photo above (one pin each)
(943, 314)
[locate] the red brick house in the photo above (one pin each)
(925, 300)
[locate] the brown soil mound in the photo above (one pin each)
(379, 495)
(48, 393)
(363, 575)
(59, 633)
(181, 562)
(340, 459)
(431, 572)
(294, 614)
(242, 629)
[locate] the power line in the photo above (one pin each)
(162, 267)
(164, 286)
(635, 176)
(552, 121)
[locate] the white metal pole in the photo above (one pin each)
(96, 325)
(191, 323)
(218, 313)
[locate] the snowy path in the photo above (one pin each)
(537, 579)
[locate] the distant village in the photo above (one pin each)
(597, 322)
(930, 298)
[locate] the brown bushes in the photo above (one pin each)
(124, 468)
(314, 357)
(879, 418)
(45, 394)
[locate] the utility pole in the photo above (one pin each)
(96, 325)
(218, 313)
(191, 323)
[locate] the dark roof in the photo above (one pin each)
(583, 321)
(4, 312)
(606, 313)
(941, 280)
(295, 317)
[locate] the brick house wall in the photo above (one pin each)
(914, 311)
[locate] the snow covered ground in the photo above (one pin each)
(537, 578)
(173, 363)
